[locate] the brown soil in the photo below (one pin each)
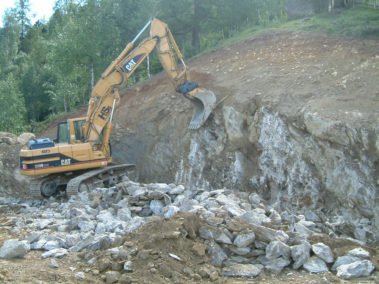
(282, 69)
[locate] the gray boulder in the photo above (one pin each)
(242, 270)
(156, 206)
(217, 254)
(14, 249)
(274, 265)
(244, 240)
(300, 254)
(170, 211)
(55, 253)
(315, 265)
(362, 268)
(342, 260)
(276, 249)
(323, 251)
(124, 214)
(359, 252)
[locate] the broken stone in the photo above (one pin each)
(14, 249)
(323, 251)
(274, 265)
(342, 260)
(359, 252)
(170, 211)
(112, 277)
(217, 254)
(53, 263)
(240, 250)
(58, 252)
(80, 276)
(124, 214)
(315, 265)
(362, 268)
(156, 207)
(242, 270)
(300, 254)
(244, 240)
(86, 226)
(277, 249)
(128, 266)
(177, 190)
(253, 217)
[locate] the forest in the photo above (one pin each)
(48, 68)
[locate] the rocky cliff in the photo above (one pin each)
(299, 126)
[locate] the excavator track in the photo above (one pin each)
(109, 175)
(117, 171)
(35, 189)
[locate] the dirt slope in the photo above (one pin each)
(336, 78)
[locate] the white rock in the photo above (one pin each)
(362, 268)
(359, 252)
(14, 249)
(315, 265)
(55, 253)
(323, 251)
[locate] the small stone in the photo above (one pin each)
(199, 249)
(244, 240)
(274, 265)
(125, 279)
(217, 254)
(170, 211)
(300, 254)
(124, 214)
(323, 251)
(58, 252)
(112, 277)
(242, 270)
(80, 276)
(177, 190)
(156, 207)
(277, 249)
(128, 266)
(240, 251)
(53, 263)
(359, 252)
(315, 265)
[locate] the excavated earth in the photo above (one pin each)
(297, 125)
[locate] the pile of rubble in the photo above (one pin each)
(239, 233)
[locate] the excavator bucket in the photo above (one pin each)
(204, 102)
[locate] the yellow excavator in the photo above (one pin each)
(80, 157)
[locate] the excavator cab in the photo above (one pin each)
(70, 131)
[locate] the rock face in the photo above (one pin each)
(12, 183)
(309, 147)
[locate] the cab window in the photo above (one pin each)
(63, 133)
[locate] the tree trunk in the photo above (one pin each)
(196, 26)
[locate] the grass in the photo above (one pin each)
(353, 22)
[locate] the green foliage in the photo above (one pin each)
(12, 108)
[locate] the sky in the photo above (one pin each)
(40, 9)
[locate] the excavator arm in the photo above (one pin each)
(105, 96)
